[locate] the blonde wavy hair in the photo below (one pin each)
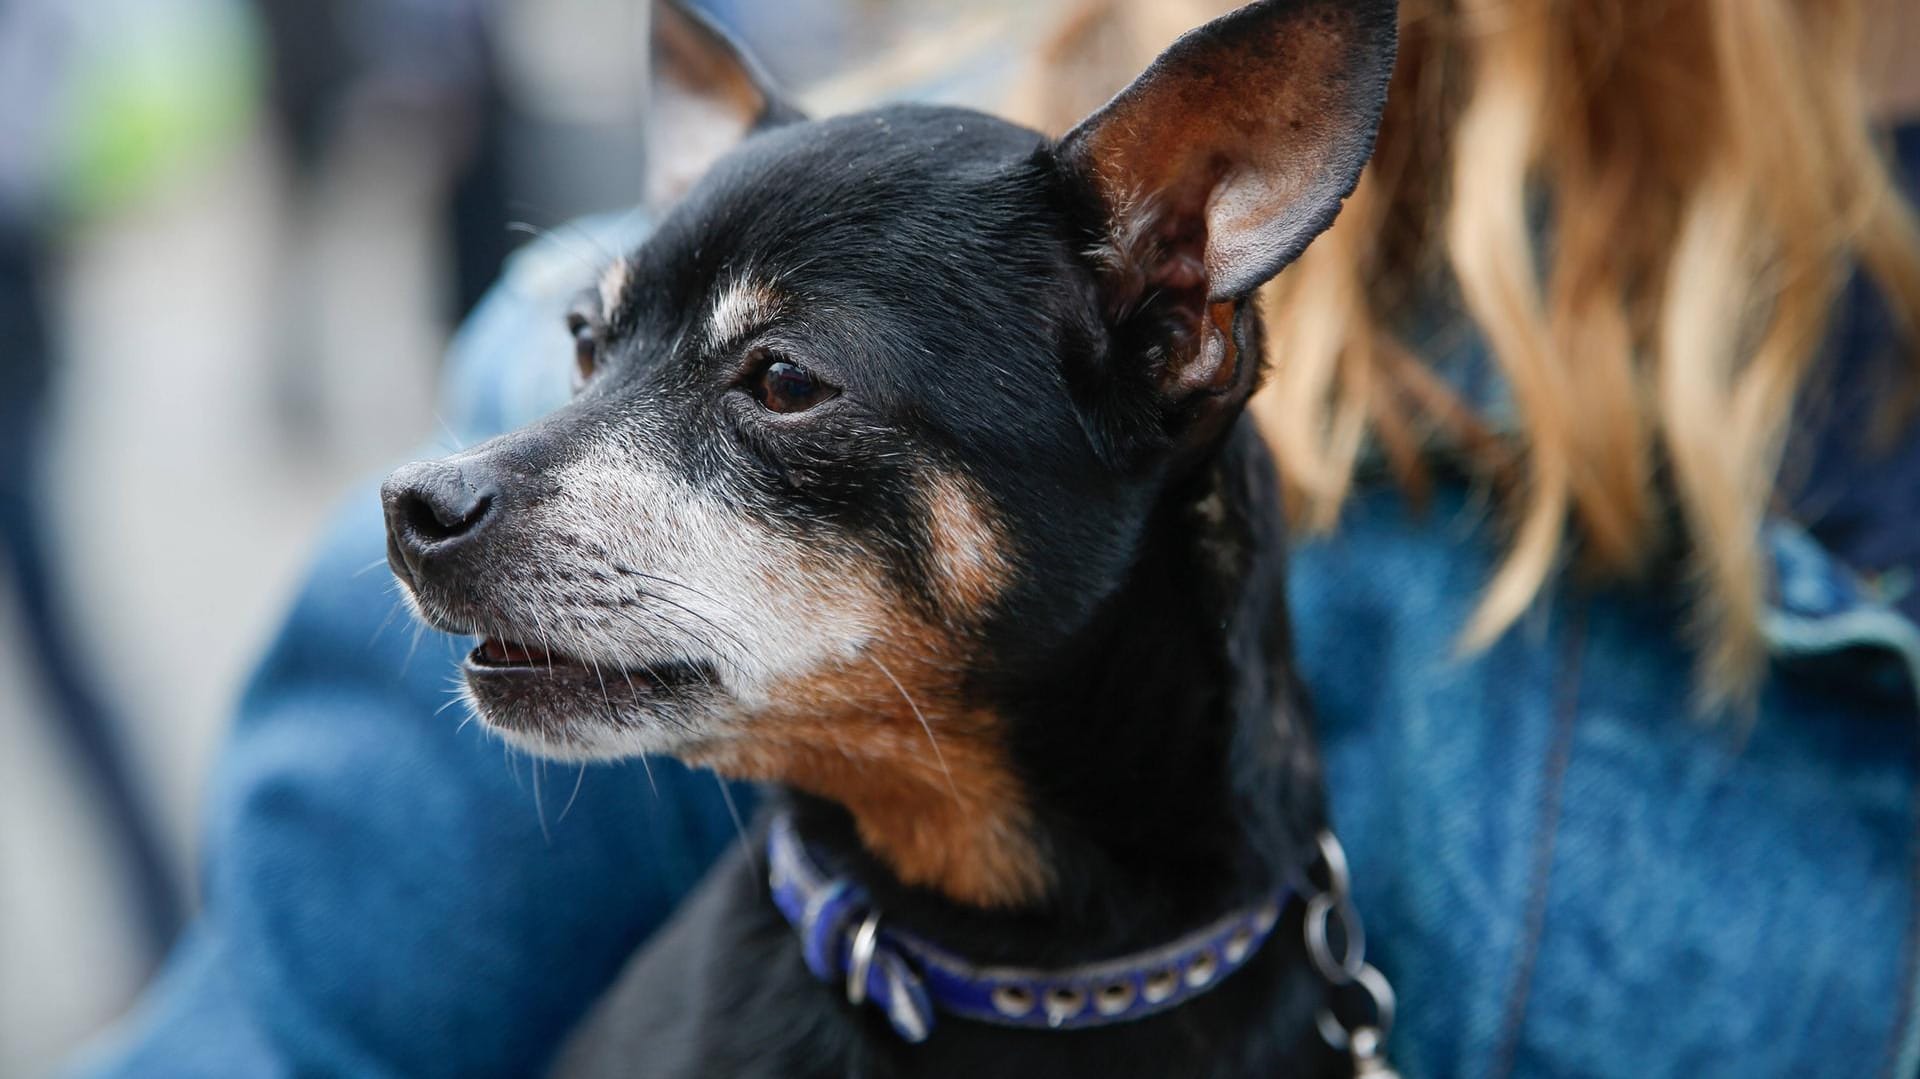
(1647, 209)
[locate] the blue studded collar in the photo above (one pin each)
(843, 939)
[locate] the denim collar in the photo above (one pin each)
(842, 939)
(1818, 607)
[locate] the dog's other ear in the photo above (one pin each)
(1213, 170)
(707, 94)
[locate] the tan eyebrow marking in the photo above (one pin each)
(613, 288)
(743, 306)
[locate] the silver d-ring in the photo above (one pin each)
(1384, 1002)
(1320, 909)
(865, 940)
(1335, 857)
(1331, 1031)
(1380, 992)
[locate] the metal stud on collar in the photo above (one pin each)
(1013, 1001)
(1114, 998)
(1063, 1003)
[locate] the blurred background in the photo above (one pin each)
(235, 236)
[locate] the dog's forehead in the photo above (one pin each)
(838, 201)
(894, 151)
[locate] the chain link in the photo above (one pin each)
(1348, 975)
(1380, 1001)
(1321, 910)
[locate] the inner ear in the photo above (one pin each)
(1219, 164)
(1237, 146)
(706, 94)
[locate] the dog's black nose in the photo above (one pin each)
(433, 507)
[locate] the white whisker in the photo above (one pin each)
(539, 810)
(753, 857)
(577, 781)
(924, 725)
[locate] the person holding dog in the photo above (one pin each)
(1595, 412)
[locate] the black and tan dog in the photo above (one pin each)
(908, 471)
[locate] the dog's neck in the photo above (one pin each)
(1165, 755)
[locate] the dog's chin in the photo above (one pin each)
(563, 708)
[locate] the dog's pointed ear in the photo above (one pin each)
(706, 94)
(1215, 168)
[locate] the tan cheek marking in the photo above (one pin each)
(743, 307)
(969, 549)
(954, 820)
(613, 288)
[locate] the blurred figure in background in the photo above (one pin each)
(434, 61)
(78, 714)
(412, 77)
(142, 417)
(64, 152)
(401, 94)
(1603, 374)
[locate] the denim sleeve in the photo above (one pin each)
(390, 892)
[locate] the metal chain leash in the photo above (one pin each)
(1359, 1013)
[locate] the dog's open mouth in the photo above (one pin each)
(577, 707)
(499, 655)
(494, 652)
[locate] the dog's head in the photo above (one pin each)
(870, 427)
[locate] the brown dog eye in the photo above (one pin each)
(586, 347)
(586, 353)
(784, 386)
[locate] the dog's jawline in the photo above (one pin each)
(1164, 735)
(1214, 795)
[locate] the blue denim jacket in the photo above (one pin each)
(1564, 868)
